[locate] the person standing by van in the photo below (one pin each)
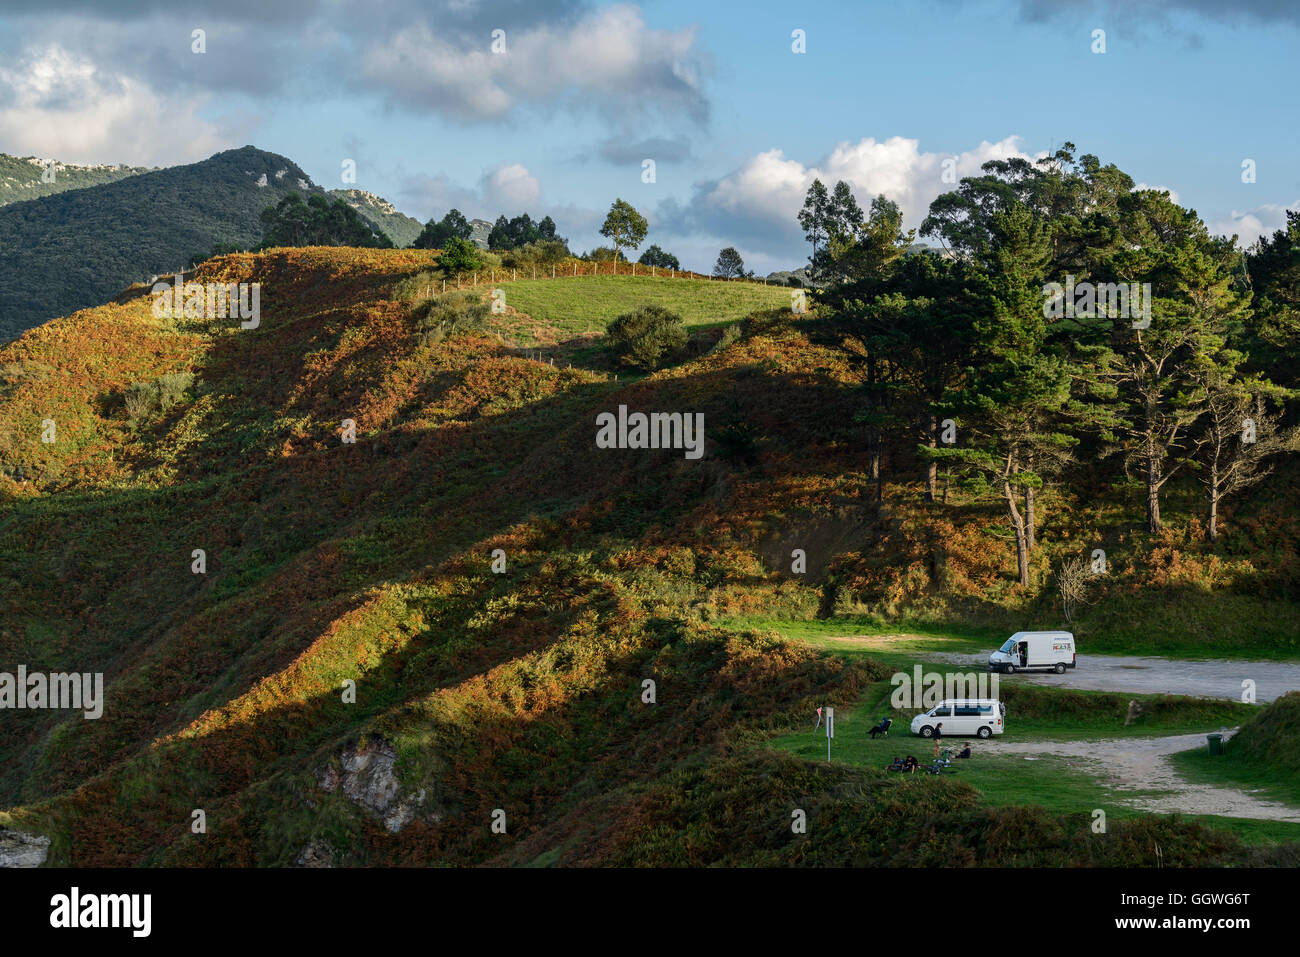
(938, 735)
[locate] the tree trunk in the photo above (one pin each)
(932, 470)
(1030, 536)
(1018, 522)
(1212, 527)
(1153, 494)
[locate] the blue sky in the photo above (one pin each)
(736, 122)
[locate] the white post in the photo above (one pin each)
(830, 732)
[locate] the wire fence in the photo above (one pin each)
(574, 268)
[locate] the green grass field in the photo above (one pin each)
(582, 303)
(907, 639)
(1013, 780)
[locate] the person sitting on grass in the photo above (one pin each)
(910, 763)
(965, 752)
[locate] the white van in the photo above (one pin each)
(979, 716)
(1053, 650)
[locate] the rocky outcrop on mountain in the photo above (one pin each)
(22, 850)
(367, 778)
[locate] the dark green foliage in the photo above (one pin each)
(459, 256)
(654, 256)
(543, 252)
(521, 231)
(317, 222)
(401, 229)
(82, 247)
(729, 264)
(436, 235)
(646, 336)
(23, 178)
(624, 226)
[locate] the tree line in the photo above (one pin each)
(1071, 328)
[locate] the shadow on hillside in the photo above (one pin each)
(294, 541)
(506, 743)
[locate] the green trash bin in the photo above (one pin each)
(1216, 743)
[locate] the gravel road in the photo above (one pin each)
(1211, 679)
(1142, 764)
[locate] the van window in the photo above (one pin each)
(942, 711)
(968, 710)
(1010, 643)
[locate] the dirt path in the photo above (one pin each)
(1142, 764)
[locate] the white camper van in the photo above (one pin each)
(1027, 650)
(979, 716)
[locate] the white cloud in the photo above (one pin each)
(609, 59)
(758, 202)
(58, 105)
(1249, 225)
(510, 189)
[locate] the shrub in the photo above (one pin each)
(646, 336)
(544, 252)
(654, 256)
(460, 256)
(730, 335)
(171, 387)
(140, 399)
(455, 312)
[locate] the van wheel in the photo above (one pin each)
(985, 731)
(1060, 668)
(927, 732)
(1009, 669)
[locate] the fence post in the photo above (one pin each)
(444, 287)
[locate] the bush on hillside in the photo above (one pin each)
(171, 387)
(544, 252)
(141, 398)
(450, 314)
(1272, 738)
(646, 336)
(460, 256)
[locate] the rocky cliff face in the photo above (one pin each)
(22, 850)
(367, 778)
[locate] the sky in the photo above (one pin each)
(554, 107)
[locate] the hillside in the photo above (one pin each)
(398, 227)
(75, 249)
(477, 691)
(23, 177)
